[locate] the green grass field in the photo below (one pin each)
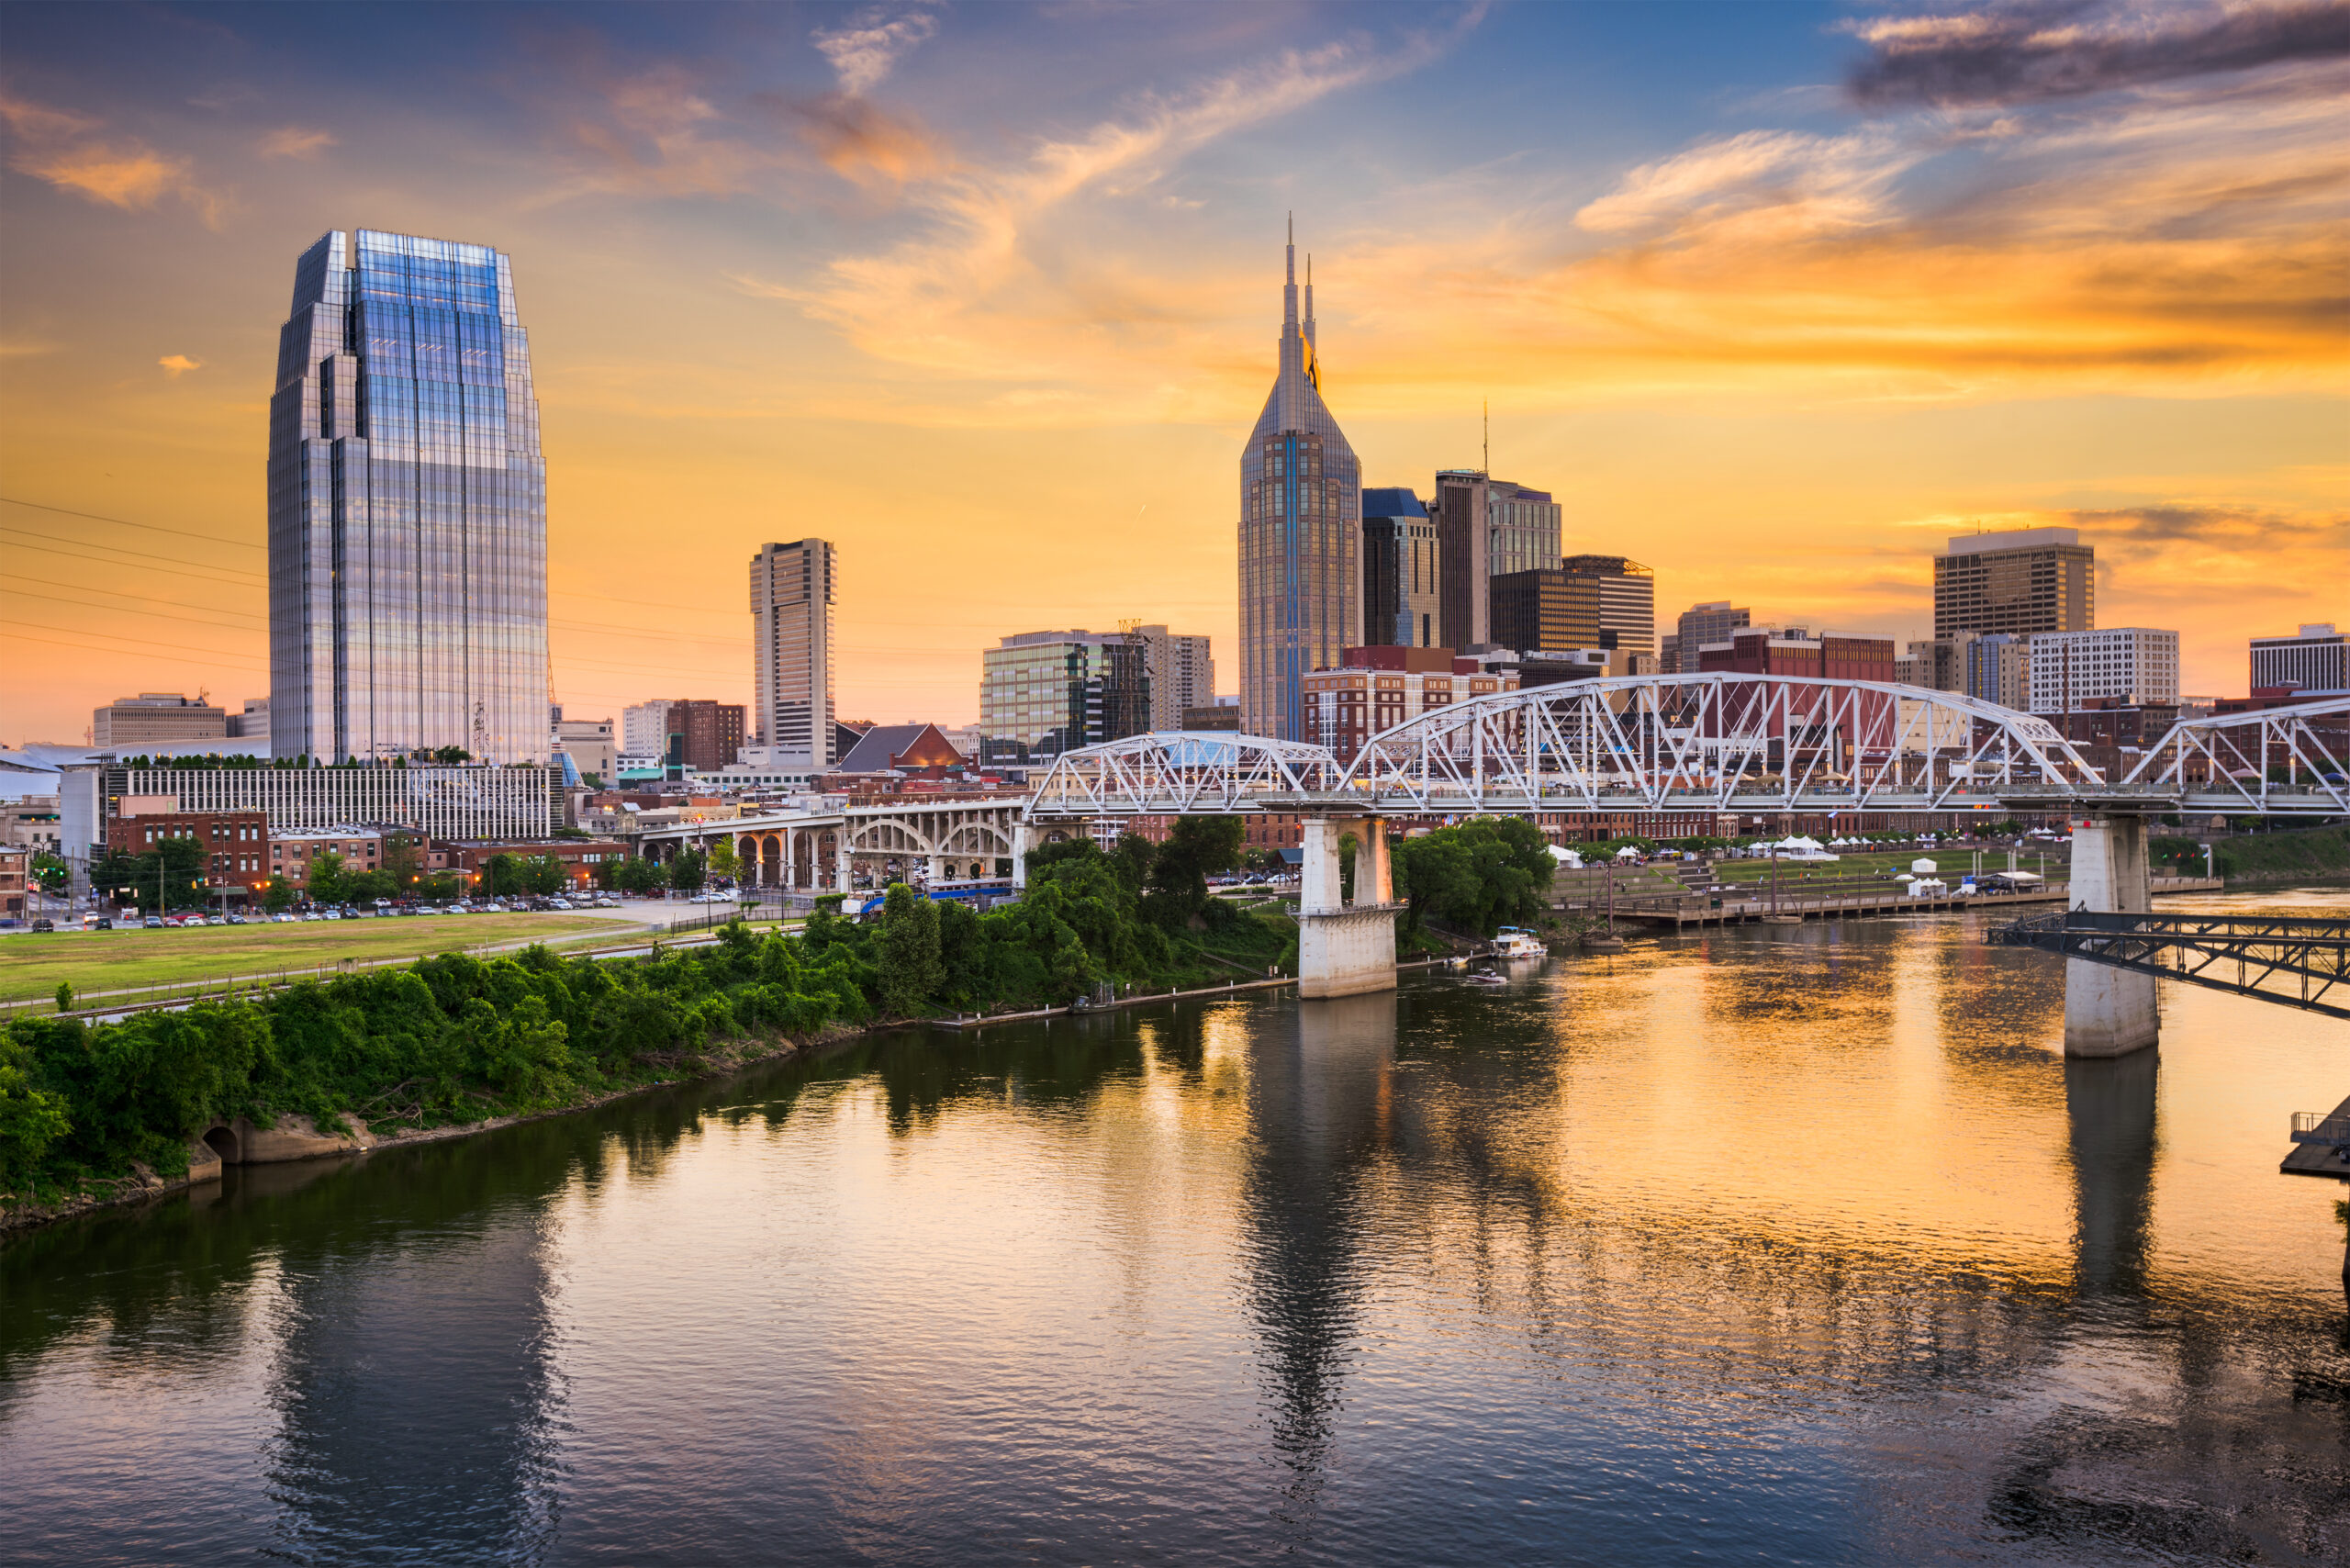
(1951, 864)
(92, 961)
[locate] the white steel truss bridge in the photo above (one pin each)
(1715, 743)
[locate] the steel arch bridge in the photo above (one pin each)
(1183, 773)
(1713, 742)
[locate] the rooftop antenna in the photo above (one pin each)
(1486, 407)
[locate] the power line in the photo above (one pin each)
(158, 614)
(144, 555)
(84, 645)
(158, 527)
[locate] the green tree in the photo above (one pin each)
(907, 951)
(1197, 848)
(65, 996)
(327, 881)
(1477, 877)
(686, 871)
(722, 859)
(166, 878)
(277, 896)
(451, 756)
(51, 872)
(403, 860)
(635, 875)
(31, 1119)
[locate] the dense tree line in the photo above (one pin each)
(458, 1039)
(450, 1040)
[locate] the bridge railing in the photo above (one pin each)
(2322, 1127)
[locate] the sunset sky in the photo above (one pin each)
(1770, 297)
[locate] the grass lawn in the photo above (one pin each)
(31, 966)
(1951, 865)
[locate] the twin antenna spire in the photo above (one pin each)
(1484, 406)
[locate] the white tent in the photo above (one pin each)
(1629, 850)
(1922, 866)
(1567, 858)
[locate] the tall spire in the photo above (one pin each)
(1289, 281)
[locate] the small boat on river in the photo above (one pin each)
(1517, 942)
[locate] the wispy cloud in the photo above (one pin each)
(869, 46)
(296, 142)
(2039, 50)
(178, 365)
(65, 149)
(977, 294)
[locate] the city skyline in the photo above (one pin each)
(1054, 398)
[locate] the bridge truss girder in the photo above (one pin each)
(2256, 957)
(2224, 764)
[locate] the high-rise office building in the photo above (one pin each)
(2318, 659)
(1181, 670)
(1614, 599)
(2126, 666)
(698, 732)
(2023, 581)
(408, 599)
(791, 651)
(156, 718)
(1998, 669)
(1712, 622)
(1301, 577)
(1487, 528)
(1587, 601)
(1042, 693)
(1402, 571)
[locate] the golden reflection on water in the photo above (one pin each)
(1806, 1234)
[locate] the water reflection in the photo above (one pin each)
(2110, 1104)
(1318, 1103)
(1800, 1236)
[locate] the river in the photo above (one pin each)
(1791, 1244)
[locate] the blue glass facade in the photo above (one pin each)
(1301, 578)
(407, 507)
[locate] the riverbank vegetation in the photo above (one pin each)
(452, 1040)
(1138, 917)
(2316, 852)
(457, 1041)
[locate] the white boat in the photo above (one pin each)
(1485, 977)
(1517, 942)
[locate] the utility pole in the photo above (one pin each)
(1774, 879)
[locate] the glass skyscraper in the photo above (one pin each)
(408, 519)
(1301, 578)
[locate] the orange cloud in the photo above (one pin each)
(59, 146)
(178, 365)
(296, 141)
(860, 141)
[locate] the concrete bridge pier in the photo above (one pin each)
(2109, 1012)
(1345, 950)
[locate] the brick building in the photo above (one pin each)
(15, 875)
(236, 844)
(1793, 650)
(1378, 687)
(291, 855)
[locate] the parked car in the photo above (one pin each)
(44, 924)
(154, 923)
